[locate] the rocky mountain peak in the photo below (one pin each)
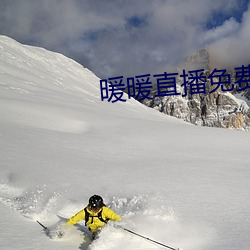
(199, 60)
(215, 108)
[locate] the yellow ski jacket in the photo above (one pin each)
(94, 223)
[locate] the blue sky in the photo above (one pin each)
(132, 37)
(218, 17)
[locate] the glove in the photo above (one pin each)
(62, 229)
(60, 234)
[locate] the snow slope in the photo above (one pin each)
(176, 183)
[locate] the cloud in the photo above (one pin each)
(233, 49)
(117, 37)
(228, 28)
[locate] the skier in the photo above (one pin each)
(95, 214)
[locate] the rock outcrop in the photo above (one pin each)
(216, 109)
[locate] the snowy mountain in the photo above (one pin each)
(182, 185)
(214, 108)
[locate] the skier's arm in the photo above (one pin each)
(110, 214)
(77, 217)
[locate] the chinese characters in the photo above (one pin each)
(140, 87)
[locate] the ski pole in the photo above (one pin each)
(45, 228)
(146, 238)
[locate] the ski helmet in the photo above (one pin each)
(95, 202)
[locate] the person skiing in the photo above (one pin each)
(95, 214)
